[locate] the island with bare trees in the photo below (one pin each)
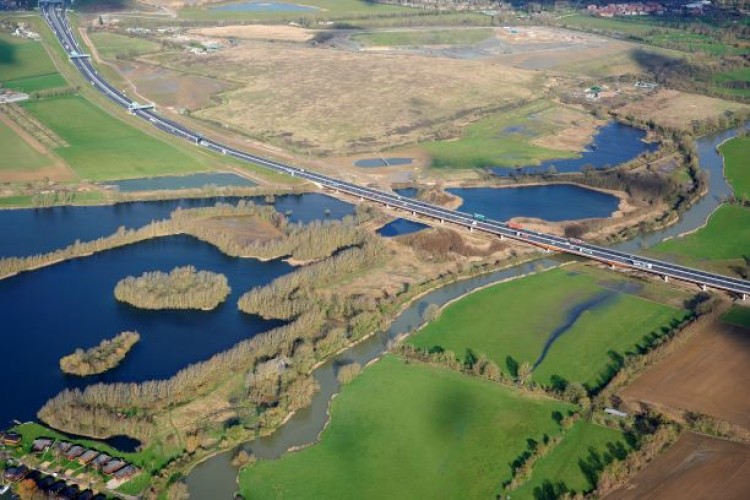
(107, 355)
(181, 288)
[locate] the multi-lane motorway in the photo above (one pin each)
(55, 17)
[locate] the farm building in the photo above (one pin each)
(61, 447)
(87, 457)
(100, 461)
(74, 452)
(113, 466)
(41, 445)
(15, 473)
(10, 438)
(126, 472)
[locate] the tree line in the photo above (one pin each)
(181, 288)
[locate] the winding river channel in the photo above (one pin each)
(216, 477)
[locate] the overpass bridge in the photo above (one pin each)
(55, 17)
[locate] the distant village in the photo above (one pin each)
(697, 8)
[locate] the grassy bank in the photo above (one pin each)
(410, 431)
(103, 148)
(573, 465)
(721, 245)
(736, 166)
(511, 322)
(738, 315)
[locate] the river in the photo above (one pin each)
(217, 478)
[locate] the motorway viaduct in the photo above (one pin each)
(54, 15)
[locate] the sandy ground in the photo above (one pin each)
(671, 108)
(257, 32)
(57, 171)
(703, 375)
(696, 467)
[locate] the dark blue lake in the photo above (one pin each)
(181, 182)
(382, 162)
(400, 227)
(554, 203)
(613, 144)
(40, 230)
(49, 312)
(260, 6)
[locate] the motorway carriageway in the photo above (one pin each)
(55, 17)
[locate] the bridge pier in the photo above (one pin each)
(666, 278)
(743, 296)
(502, 237)
(704, 287)
(611, 265)
(442, 221)
(413, 213)
(471, 229)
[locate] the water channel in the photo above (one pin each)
(217, 477)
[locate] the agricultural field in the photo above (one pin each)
(576, 461)
(102, 147)
(735, 83)
(18, 155)
(651, 33)
(112, 46)
(736, 166)
(694, 467)
(525, 136)
(406, 430)
(313, 10)
(703, 375)
(36, 83)
(738, 315)
(712, 247)
(421, 38)
(566, 323)
(23, 59)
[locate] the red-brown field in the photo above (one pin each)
(708, 374)
(694, 467)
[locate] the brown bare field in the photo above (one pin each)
(707, 374)
(694, 467)
(172, 88)
(675, 109)
(257, 32)
(332, 101)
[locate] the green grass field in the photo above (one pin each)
(406, 431)
(112, 46)
(35, 83)
(418, 38)
(736, 155)
(22, 59)
(103, 148)
(502, 140)
(17, 155)
(516, 319)
(326, 9)
(722, 243)
(740, 76)
(738, 315)
(651, 31)
(563, 464)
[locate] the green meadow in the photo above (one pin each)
(595, 319)
(406, 430)
(431, 37)
(736, 153)
(17, 154)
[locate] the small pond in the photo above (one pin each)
(613, 144)
(260, 6)
(181, 182)
(383, 162)
(400, 227)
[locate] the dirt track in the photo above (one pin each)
(708, 374)
(696, 467)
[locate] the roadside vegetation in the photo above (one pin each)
(181, 288)
(738, 315)
(107, 355)
(454, 436)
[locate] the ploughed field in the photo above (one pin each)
(570, 323)
(695, 467)
(707, 374)
(407, 430)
